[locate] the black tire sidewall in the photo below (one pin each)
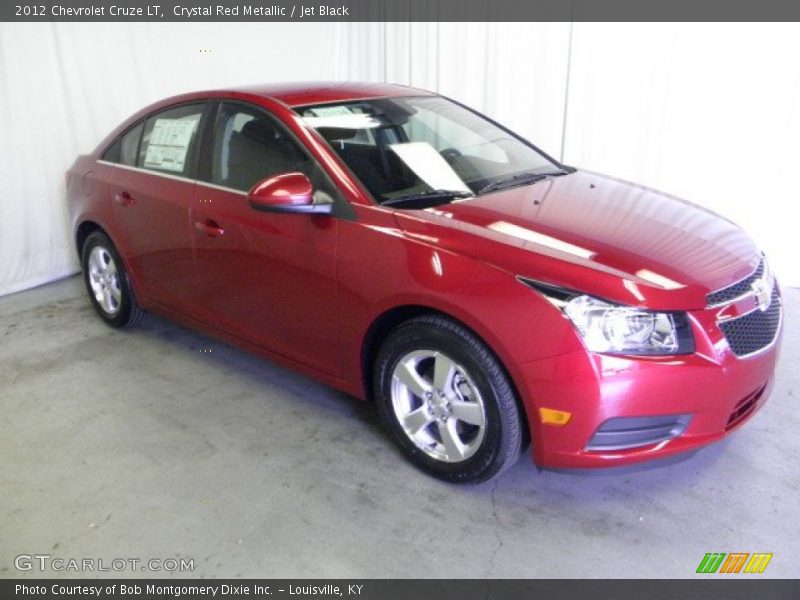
(123, 316)
(466, 350)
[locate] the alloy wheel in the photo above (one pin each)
(104, 280)
(438, 405)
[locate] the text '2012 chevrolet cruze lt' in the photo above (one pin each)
(406, 249)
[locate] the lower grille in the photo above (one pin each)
(621, 433)
(744, 408)
(756, 330)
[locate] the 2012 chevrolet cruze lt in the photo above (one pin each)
(404, 248)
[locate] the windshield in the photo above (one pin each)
(414, 148)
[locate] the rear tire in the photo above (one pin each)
(447, 401)
(107, 282)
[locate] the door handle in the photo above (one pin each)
(209, 227)
(124, 199)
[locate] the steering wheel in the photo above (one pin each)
(450, 155)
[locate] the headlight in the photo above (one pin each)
(615, 329)
(624, 330)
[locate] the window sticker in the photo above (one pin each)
(343, 121)
(169, 143)
(330, 111)
(429, 166)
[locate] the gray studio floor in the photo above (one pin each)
(142, 444)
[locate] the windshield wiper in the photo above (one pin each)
(518, 179)
(425, 198)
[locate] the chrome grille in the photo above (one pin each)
(756, 330)
(737, 289)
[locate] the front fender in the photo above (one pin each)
(516, 323)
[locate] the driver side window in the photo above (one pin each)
(250, 146)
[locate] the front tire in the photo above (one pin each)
(447, 401)
(107, 282)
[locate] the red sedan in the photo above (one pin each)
(408, 250)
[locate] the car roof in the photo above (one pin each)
(321, 92)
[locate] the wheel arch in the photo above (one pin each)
(391, 318)
(83, 231)
(86, 228)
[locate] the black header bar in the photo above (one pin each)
(401, 10)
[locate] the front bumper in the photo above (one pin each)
(718, 390)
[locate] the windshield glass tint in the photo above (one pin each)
(405, 146)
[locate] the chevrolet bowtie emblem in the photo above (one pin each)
(762, 294)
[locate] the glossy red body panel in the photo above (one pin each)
(558, 229)
(707, 385)
(307, 289)
(291, 189)
(155, 231)
(301, 94)
(270, 279)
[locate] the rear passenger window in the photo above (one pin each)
(169, 140)
(123, 150)
(130, 145)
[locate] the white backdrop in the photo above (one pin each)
(709, 112)
(65, 86)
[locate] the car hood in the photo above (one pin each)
(596, 234)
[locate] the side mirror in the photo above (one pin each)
(286, 193)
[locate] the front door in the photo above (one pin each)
(267, 278)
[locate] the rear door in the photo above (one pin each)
(152, 189)
(267, 278)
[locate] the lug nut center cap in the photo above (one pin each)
(439, 405)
